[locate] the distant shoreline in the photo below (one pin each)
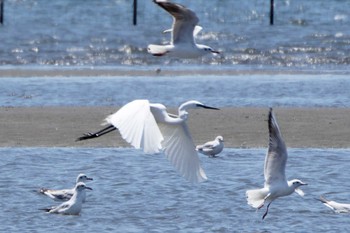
(240, 127)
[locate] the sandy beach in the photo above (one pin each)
(240, 127)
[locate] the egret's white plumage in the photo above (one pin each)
(65, 194)
(74, 205)
(183, 31)
(276, 184)
(212, 148)
(150, 127)
(336, 206)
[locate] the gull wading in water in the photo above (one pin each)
(65, 194)
(149, 126)
(74, 205)
(276, 184)
(183, 31)
(212, 148)
(335, 206)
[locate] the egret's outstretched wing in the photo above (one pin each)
(276, 158)
(179, 149)
(184, 21)
(137, 126)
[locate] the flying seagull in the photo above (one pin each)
(183, 34)
(276, 184)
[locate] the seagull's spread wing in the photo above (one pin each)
(179, 149)
(184, 23)
(137, 126)
(196, 31)
(276, 158)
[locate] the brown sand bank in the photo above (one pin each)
(240, 127)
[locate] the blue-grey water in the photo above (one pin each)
(134, 192)
(306, 34)
(222, 91)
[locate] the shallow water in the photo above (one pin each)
(134, 192)
(222, 91)
(306, 34)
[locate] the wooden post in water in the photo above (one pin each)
(1, 11)
(135, 12)
(271, 12)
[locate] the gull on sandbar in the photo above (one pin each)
(65, 194)
(212, 148)
(276, 184)
(183, 34)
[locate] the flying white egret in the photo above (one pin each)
(212, 148)
(335, 206)
(276, 184)
(74, 205)
(183, 31)
(150, 127)
(65, 194)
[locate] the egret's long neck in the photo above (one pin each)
(183, 114)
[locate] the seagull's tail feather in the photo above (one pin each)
(199, 148)
(157, 50)
(255, 197)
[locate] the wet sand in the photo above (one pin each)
(240, 127)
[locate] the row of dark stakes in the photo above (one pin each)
(134, 18)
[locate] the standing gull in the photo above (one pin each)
(183, 31)
(212, 148)
(276, 184)
(149, 126)
(73, 205)
(65, 194)
(335, 206)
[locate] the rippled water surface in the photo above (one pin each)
(309, 34)
(223, 91)
(134, 192)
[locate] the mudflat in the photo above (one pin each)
(240, 127)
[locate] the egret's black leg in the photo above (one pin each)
(103, 131)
